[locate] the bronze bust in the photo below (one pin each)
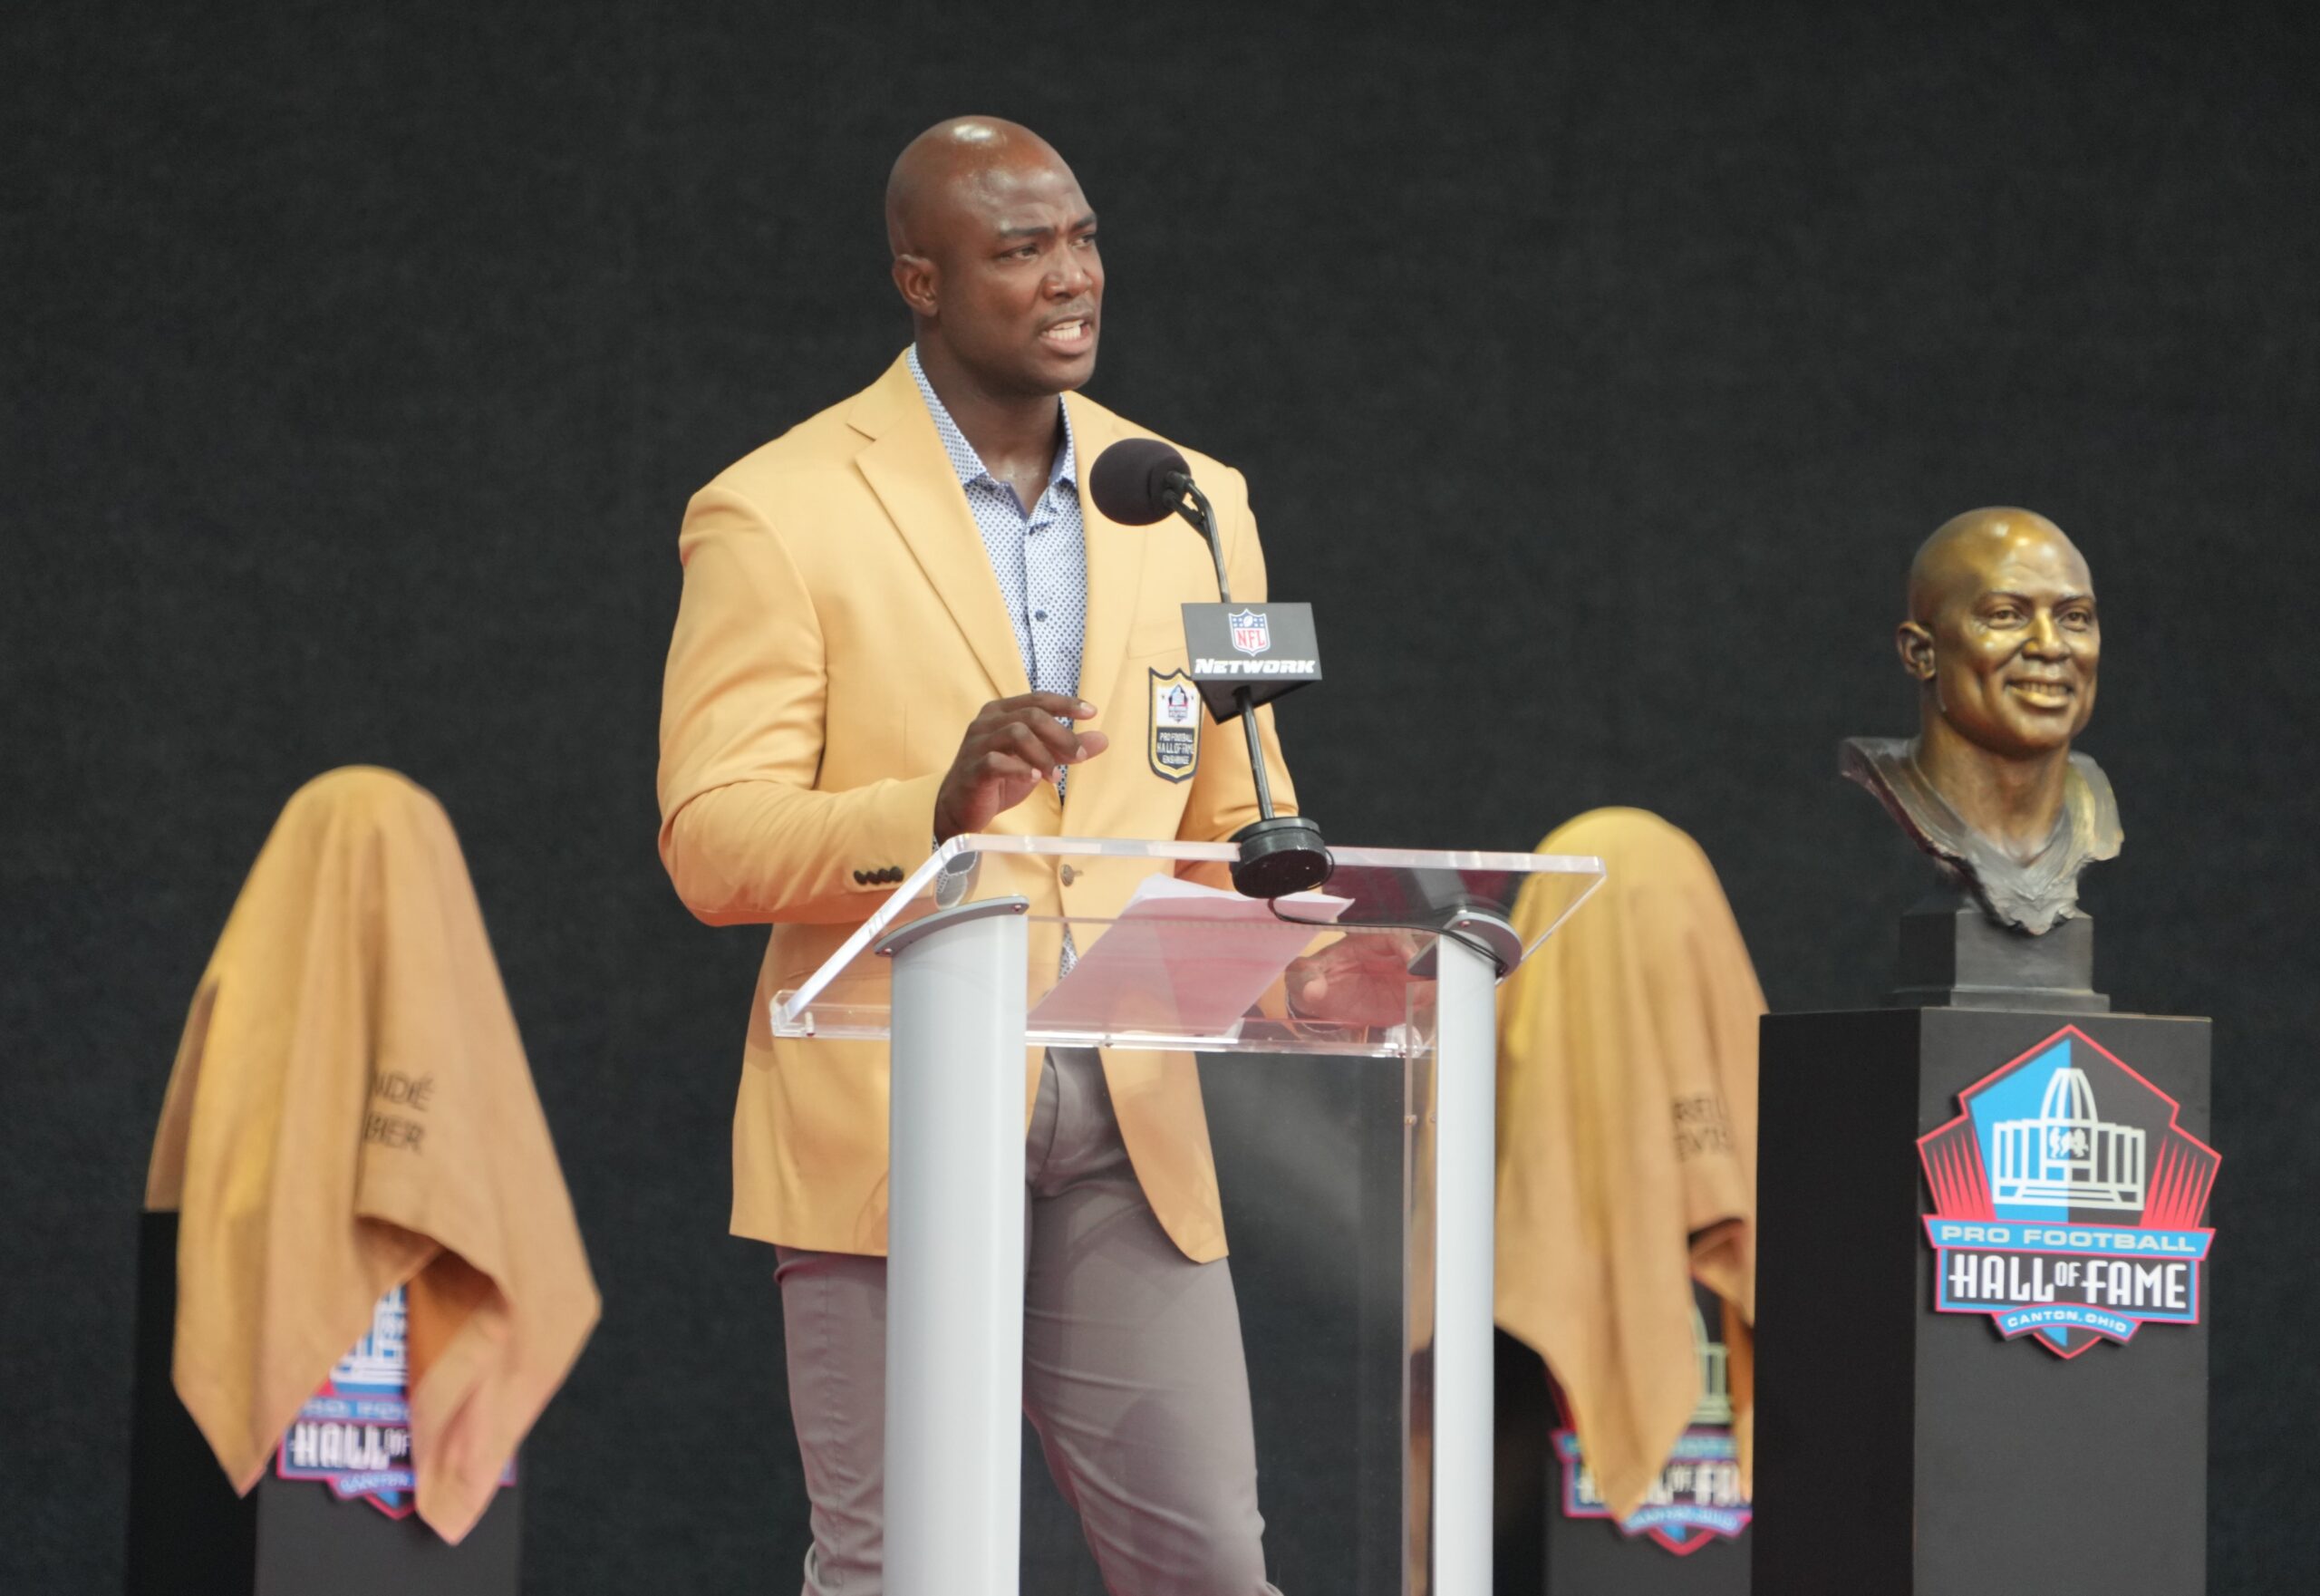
(2003, 639)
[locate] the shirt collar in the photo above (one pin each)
(964, 461)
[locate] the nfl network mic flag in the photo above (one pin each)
(1267, 648)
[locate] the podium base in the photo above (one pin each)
(189, 1535)
(1914, 1453)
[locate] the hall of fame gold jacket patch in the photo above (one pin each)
(1173, 746)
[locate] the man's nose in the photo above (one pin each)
(2046, 641)
(1070, 278)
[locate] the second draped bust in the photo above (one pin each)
(2003, 639)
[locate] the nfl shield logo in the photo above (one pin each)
(1251, 633)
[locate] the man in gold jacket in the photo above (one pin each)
(903, 621)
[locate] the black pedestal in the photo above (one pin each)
(189, 1535)
(1906, 1452)
(1542, 1550)
(1590, 1557)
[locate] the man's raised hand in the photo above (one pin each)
(1012, 746)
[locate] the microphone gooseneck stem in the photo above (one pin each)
(1243, 695)
(1192, 504)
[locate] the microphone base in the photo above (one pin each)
(1280, 856)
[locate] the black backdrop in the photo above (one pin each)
(1597, 367)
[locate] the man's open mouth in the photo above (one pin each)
(1073, 334)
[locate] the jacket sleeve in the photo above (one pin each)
(746, 834)
(1224, 796)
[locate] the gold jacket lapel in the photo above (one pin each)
(1115, 581)
(906, 468)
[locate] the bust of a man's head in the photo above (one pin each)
(2004, 642)
(2002, 637)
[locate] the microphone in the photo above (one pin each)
(1139, 481)
(1136, 482)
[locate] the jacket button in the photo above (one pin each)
(1067, 876)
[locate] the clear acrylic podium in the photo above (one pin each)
(943, 972)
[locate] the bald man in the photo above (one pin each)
(903, 621)
(2003, 639)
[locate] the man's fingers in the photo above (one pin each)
(1092, 743)
(1371, 949)
(1394, 947)
(1029, 742)
(1000, 765)
(1061, 705)
(1064, 744)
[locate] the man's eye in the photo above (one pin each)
(1085, 240)
(2005, 617)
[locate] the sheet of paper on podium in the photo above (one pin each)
(1182, 960)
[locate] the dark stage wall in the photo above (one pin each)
(1600, 366)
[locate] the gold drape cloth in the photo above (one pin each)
(350, 1110)
(1627, 1145)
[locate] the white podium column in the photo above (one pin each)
(954, 1238)
(1466, 1177)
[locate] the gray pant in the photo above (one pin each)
(1133, 1373)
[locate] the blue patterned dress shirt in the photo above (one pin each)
(1039, 555)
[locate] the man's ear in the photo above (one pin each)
(916, 279)
(1914, 644)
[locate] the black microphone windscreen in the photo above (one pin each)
(1130, 483)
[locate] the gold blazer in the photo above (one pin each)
(839, 627)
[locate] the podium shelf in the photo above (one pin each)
(1143, 944)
